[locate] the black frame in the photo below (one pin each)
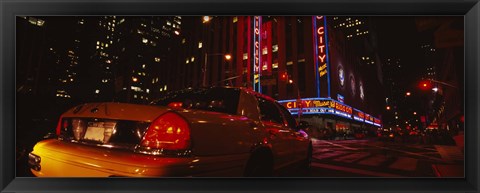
(10, 8)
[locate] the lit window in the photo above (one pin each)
(264, 51)
(40, 22)
(187, 61)
(97, 91)
(165, 88)
(98, 42)
(143, 66)
(157, 59)
(193, 59)
(245, 56)
(183, 40)
(200, 44)
(148, 90)
(275, 48)
(235, 19)
(144, 40)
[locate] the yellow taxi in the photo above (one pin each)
(219, 131)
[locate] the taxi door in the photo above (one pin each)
(279, 136)
(299, 141)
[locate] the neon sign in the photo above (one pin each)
(358, 115)
(312, 106)
(257, 53)
(321, 56)
(368, 119)
(377, 122)
(321, 49)
(310, 103)
(318, 105)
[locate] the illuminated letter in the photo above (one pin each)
(320, 40)
(321, 48)
(307, 103)
(320, 31)
(289, 105)
(322, 58)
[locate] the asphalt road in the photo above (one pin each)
(369, 158)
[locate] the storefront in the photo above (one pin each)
(332, 115)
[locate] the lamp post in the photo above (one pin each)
(204, 71)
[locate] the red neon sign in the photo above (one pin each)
(321, 51)
(256, 53)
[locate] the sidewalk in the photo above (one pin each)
(453, 155)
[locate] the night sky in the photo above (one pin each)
(398, 37)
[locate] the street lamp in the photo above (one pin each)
(204, 71)
(408, 93)
(206, 19)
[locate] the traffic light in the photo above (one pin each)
(425, 85)
(284, 76)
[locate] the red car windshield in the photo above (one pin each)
(223, 100)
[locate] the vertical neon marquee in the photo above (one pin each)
(322, 76)
(257, 53)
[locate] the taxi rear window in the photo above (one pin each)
(223, 100)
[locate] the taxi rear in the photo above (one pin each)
(118, 139)
(109, 139)
(201, 132)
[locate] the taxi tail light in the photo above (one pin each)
(170, 131)
(59, 126)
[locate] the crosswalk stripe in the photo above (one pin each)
(409, 153)
(373, 161)
(449, 152)
(352, 157)
(338, 145)
(354, 170)
(329, 155)
(405, 163)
